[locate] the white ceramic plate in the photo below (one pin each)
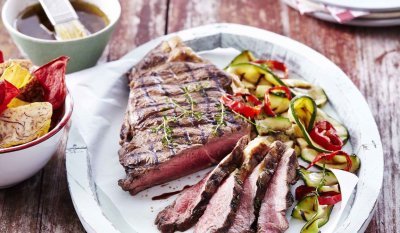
(362, 22)
(98, 211)
(370, 5)
(373, 20)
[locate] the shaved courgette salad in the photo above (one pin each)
(291, 110)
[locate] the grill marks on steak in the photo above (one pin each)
(246, 201)
(278, 198)
(228, 198)
(222, 208)
(254, 189)
(159, 76)
(189, 160)
(184, 212)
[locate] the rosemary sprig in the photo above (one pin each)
(198, 87)
(166, 130)
(238, 115)
(192, 103)
(220, 118)
(185, 112)
(164, 126)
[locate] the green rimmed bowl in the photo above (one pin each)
(84, 52)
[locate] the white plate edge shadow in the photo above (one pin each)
(78, 164)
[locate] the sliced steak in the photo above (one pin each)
(162, 136)
(184, 212)
(254, 189)
(221, 210)
(278, 198)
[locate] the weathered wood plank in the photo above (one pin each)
(140, 22)
(20, 207)
(186, 14)
(378, 66)
(369, 56)
(336, 42)
(56, 210)
(43, 203)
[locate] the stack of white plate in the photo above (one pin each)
(378, 13)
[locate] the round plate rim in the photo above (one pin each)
(78, 163)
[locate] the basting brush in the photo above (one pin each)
(64, 19)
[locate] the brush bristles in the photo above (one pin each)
(70, 30)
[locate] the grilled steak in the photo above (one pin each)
(254, 189)
(222, 208)
(170, 128)
(184, 212)
(278, 198)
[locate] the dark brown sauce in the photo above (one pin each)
(169, 194)
(34, 22)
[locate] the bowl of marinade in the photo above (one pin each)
(33, 33)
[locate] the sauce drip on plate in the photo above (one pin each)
(169, 194)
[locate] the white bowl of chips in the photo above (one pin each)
(30, 131)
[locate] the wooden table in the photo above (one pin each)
(369, 56)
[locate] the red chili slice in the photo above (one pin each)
(267, 103)
(329, 198)
(252, 99)
(1, 57)
(7, 93)
(275, 65)
(330, 156)
(267, 106)
(325, 135)
(324, 198)
(52, 77)
(302, 191)
(285, 89)
(240, 107)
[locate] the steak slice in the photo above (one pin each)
(278, 198)
(222, 208)
(170, 126)
(184, 212)
(254, 189)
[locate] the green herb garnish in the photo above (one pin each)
(166, 130)
(192, 103)
(220, 118)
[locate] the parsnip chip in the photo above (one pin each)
(24, 123)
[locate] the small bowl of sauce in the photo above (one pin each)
(33, 20)
(32, 31)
